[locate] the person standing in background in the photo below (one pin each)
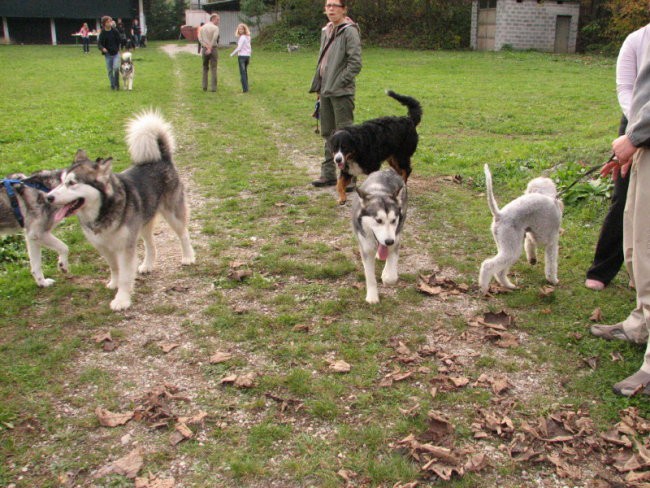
(136, 33)
(339, 62)
(84, 32)
(209, 39)
(109, 44)
(243, 51)
(608, 257)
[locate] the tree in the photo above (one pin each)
(252, 11)
(627, 16)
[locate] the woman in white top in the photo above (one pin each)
(243, 50)
(609, 249)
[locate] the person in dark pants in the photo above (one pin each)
(243, 51)
(609, 250)
(109, 44)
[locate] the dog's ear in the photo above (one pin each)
(363, 195)
(80, 155)
(400, 194)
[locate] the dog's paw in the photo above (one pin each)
(45, 282)
(144, 268)
(112, 285)
(372, 298)
(120, 303)
(62, 265)
(389, 280)
(532, 261)
(342, 201)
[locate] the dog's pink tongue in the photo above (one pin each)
(382, 252)
(61, 213)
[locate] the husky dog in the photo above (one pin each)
(127, 71)
(23, 203)
(114, 209)
(378, 216)
(531, 219)
(360, 149)
(292, 47)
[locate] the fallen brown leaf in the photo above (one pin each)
(340, 366)
(110, 419)
(128, 466)
(152, 481)
(220, 357)
(168, 346)
(596, 315)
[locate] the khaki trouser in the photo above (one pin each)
(335, 113)
(210, 62)
(636, 247)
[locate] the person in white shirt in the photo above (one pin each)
(609, 257)
(243, 51)
(209, 39)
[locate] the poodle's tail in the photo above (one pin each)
(492, 203)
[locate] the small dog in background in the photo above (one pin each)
(531, 219)
(23, 204)
(378, 217)
(127, 70)
(292, 47)
(360, 149)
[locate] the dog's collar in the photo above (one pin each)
(9, 183)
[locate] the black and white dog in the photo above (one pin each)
(115, 209)
(23, 204)
(127, 70)
(360, 149)
(378, 217)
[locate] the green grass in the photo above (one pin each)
(249, 155)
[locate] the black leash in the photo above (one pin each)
(586, 173)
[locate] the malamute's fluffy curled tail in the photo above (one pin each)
(415, 109)
(492, 203)
(150, 138)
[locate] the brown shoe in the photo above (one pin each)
(610, 332)
(638, 383)
(321, 182)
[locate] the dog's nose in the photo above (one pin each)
(389, 242)
(50, 198)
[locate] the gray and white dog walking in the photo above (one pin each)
(115, 209)
(23, 205)
(378, 217)
(531, 219)
(127, 70)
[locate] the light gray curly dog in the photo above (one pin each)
(531, 219)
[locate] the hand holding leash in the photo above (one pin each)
(611, 167)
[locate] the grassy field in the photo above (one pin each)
(297, 305)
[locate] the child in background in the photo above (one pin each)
(243, 50)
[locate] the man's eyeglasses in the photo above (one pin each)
(333, 5)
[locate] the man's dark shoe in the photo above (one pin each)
(320, 182)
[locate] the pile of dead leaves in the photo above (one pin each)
(565, 439)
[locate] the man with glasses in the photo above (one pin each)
(339, 62)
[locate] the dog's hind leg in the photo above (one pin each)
(402, 166)
(550, 260)
(177, 220)
(149, 248)
(531, 248)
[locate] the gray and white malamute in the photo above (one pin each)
(378, 217)
(127, 70)
(115, 209)
(23, 205)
